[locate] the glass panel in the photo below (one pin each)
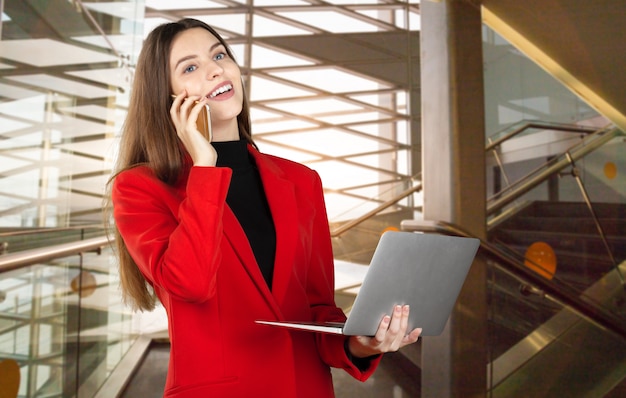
(570, 214)
(557, 203)
(181, 4)
(517, 89)
(603, 173)
(331, 80)
(66, 75)
(15, 240)
(70, 90)
(265, 57)
(63, 319)
(554, 190)
(330, 21)
(542, 348)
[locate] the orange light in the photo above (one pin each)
(610, 170)
(390, 229)
(10, 376)
(541, 258)
(84, 281)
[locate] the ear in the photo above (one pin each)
(10, 376)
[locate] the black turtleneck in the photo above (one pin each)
(247, 200)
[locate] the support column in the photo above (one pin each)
(453, 147)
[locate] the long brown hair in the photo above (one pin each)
(149, 138)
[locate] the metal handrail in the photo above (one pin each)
(525, 184)
(599, 138)
(12, 261)
(490, 147)
(583, 190)
(538, 125)
(353, 223)
(28, 231)
(558, 293)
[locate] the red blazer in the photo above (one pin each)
(188, 243)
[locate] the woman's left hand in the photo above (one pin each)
(391, 335)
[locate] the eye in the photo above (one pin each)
(190, 68)
(219, 56)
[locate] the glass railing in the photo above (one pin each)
(565, 215)
(558, 208)
(65, 76)
(541, 347)
(62, 322)
(355, 238)
(530, 127)
(544, 339)
(14, 240)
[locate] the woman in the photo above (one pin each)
(225, 235)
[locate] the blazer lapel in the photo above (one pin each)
(282, 202)
(234, 233)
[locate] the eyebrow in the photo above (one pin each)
(188, 57)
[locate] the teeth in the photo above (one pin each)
(221, 90)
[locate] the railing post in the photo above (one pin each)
(576, 174)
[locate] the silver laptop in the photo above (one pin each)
(425, 271)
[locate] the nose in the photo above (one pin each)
(213, 70)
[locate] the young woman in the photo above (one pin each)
(224, 235)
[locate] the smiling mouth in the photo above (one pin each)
(225, 88)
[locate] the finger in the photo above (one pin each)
(175, 108)
(396, 332)
(194, 114)
(402, 332)
(187, 104)
(397, 328)
(187, 121)
(179, 110)
(415, 334)
(404, 320)
(396, 319)
(379, 337)
(178, 99)
(411, 337)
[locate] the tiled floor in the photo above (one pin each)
(394, 378)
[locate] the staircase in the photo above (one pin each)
(357, 244)
(569, 228)
(519, 318)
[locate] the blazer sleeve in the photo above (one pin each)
(321, 293)
(174, 242)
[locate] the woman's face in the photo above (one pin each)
(200, 66)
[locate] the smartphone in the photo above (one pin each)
(204, 121)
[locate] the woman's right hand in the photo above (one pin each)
(392, 334)
(184, 113)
